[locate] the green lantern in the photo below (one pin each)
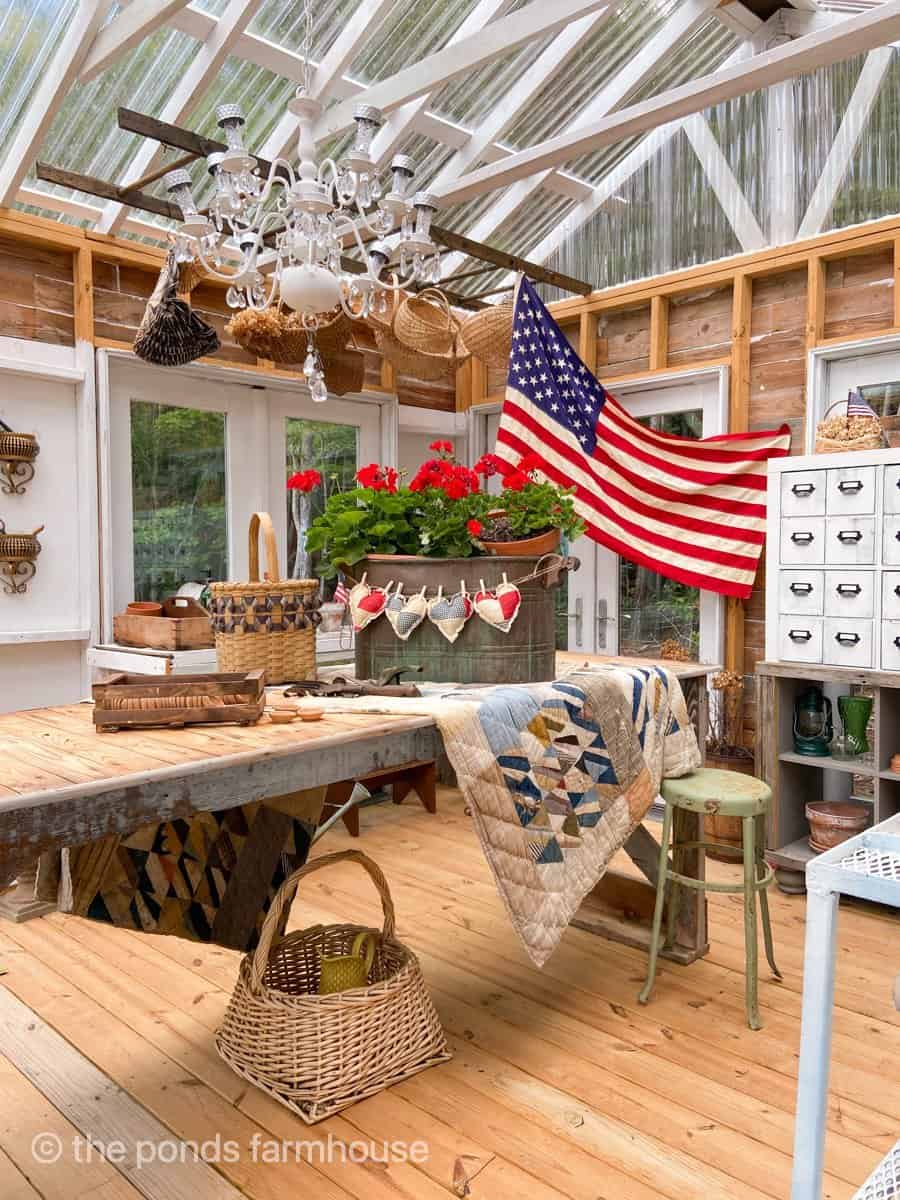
(813, 727)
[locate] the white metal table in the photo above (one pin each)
(867, 866)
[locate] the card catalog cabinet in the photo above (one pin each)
(833, 560)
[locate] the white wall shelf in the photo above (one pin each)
(25, 637)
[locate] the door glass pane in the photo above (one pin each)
(653, 609)
(180, 524)
(332, 450)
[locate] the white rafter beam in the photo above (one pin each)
(126, 31)
(839, 156)
(409, 116)
(492, 42)
(188, 92)
(48, 96)
(517, 99)
(838, 42)
(723, 182)
(367, 18)
(682, 22)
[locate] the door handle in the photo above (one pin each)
(578, 617)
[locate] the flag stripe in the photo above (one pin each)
(691, 509)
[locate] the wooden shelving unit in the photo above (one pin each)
(796, 779)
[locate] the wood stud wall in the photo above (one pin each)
(759, 314)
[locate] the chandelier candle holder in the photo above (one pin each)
(292, 229)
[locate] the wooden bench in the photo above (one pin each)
(418, 777)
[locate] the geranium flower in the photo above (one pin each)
(490, 464)
(304, 481)
(379, 479)
(529, 462)
(474, 527)
(515, 481)
(441, 447)
(455, 488)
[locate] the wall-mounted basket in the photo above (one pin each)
(18, 552)
(17, 454)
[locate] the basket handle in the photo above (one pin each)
(288, 890)
(441, 302)
(264, 521)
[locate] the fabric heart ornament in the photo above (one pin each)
(499, 607)
(450, 613)
(367, 603)
(406, 613)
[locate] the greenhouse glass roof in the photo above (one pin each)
(609, 140)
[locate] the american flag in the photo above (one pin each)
(857, 407)
(693, 510)
(341, 594)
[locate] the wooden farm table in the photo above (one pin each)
(64, 784)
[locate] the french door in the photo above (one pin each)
(613, 606)
(187, 457)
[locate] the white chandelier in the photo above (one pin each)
(291, 230)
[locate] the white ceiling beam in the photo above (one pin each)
(838, 42)
(48, 96)
(518, 98)
(723, 182)
(188, 92)
(126, 31)
(409, 116)
(846, 139)
(682, 22)
(492, 42)
(367, 18)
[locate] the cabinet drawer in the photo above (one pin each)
(890, 596)
(892, 488)
(801, 593)
(803, 494)
(802, 540)
(800, 639)
(850, 541)
(890, 549)
(890, 645)
(848, 642)
(850, 594)
(850, 490)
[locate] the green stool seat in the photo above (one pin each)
(729, 794)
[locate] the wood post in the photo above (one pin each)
(815, 301)
(83, 272)
(20, 904)
(587, 340)
(659, 332)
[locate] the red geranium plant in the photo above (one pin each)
(444, 511)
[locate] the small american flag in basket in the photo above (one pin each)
(857, 407)
(341, 594)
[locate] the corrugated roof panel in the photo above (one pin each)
(29, 36)
(415, 28)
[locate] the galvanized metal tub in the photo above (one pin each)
(481, 654)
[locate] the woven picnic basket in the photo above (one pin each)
(835, 435)
(488, 333)
(267, 622)
(318, 1054)
(281, 336)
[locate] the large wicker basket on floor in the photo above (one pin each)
(267, 622)
(319, 1054)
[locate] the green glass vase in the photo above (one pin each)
(855, 712)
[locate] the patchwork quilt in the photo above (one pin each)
(557, 776)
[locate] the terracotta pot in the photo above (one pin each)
(832, 822)
(544, 543)
(144, 608)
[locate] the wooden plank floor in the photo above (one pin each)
(561, 1085)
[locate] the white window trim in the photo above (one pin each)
(817, 363)
(389, 439)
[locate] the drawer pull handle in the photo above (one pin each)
(897, 590)
(807, 489)
(804, 589)
(850, 485)
(846, 639)
(799, 635)
(848, 589)
(803, 538)
(853, 536)
(897, 639)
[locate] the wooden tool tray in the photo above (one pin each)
(184, 625)
(130, 701)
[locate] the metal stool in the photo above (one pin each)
(732, 795)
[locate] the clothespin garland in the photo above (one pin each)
(449, 613)
(498, 607)
(406, 613)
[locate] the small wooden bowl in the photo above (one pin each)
(144, 608)
(311, 714)
(283, 715)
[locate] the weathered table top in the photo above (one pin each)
(62, 783)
